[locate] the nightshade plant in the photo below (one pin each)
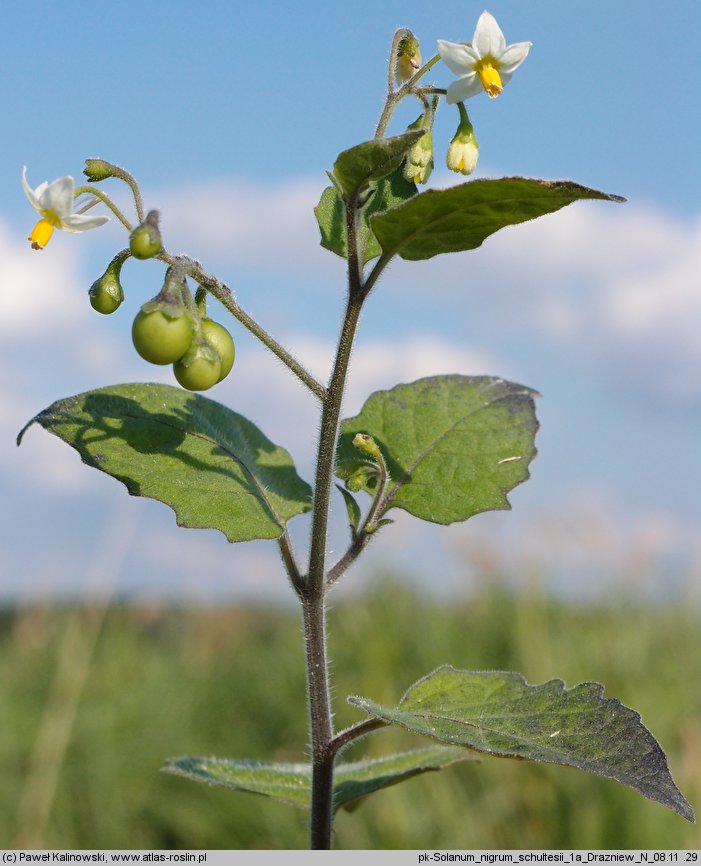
(442, 448)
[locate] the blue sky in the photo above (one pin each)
(228, 115)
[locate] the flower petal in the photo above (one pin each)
(513, 56)
(457, 57)
(32, 196)
(463, 88)
(81, 223)
(58, 197)
(488, 38)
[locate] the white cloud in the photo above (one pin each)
(38, 288)
(270, 229)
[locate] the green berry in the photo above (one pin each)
(161, 339)
(145, 241)
(199, 375)
(217, 335)
(106, 294)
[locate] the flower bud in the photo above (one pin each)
(463, 151)
(408, 57)
(419, 159)
(145, 241)
(367, 445)
(97, 169)
(106, 294)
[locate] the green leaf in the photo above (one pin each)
(291, 783)
(454, 445)
(214, 468)
(331, 214)
(358, 166)
(461, 217)
(500, 714)
(355, 780)
(352, 508)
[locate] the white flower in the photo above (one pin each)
(487, 63)
(54, 201)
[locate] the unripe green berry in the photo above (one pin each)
(145, 241)
(217, 335)
(200, 374)
(161, 339)
(106, 294)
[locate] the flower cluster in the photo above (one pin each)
(487, 63)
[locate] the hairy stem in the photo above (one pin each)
(355, 732)
(105, 199)
(291, 567)
(314, 604)
(321, 721)
(395, 96)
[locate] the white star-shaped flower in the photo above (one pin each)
(54, 202)
(487, 63)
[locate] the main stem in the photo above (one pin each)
(314, 595)
(314, 600)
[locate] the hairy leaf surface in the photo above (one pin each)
(500, 714)
(291, 783)
(461, 217)
(213, 467)
(454, 445)
(331, 215)
(372, 160)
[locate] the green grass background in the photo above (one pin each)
(90, 707)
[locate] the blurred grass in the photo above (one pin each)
(230, 682)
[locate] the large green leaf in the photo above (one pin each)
(214, 468)
(331, 214)
(461, 217)
(500, 714)
(291, 783)
(454, 445)
(372, 160)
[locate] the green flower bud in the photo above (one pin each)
(97, 169)
(359, 476)
(419, 160)
(408, 57)
(463, 151)
(145, 241)
(367, 445)
(106, 294)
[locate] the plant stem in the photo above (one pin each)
(314, 604)
(105, 199)
(395, 96)
(355, 732)
(321, 721)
